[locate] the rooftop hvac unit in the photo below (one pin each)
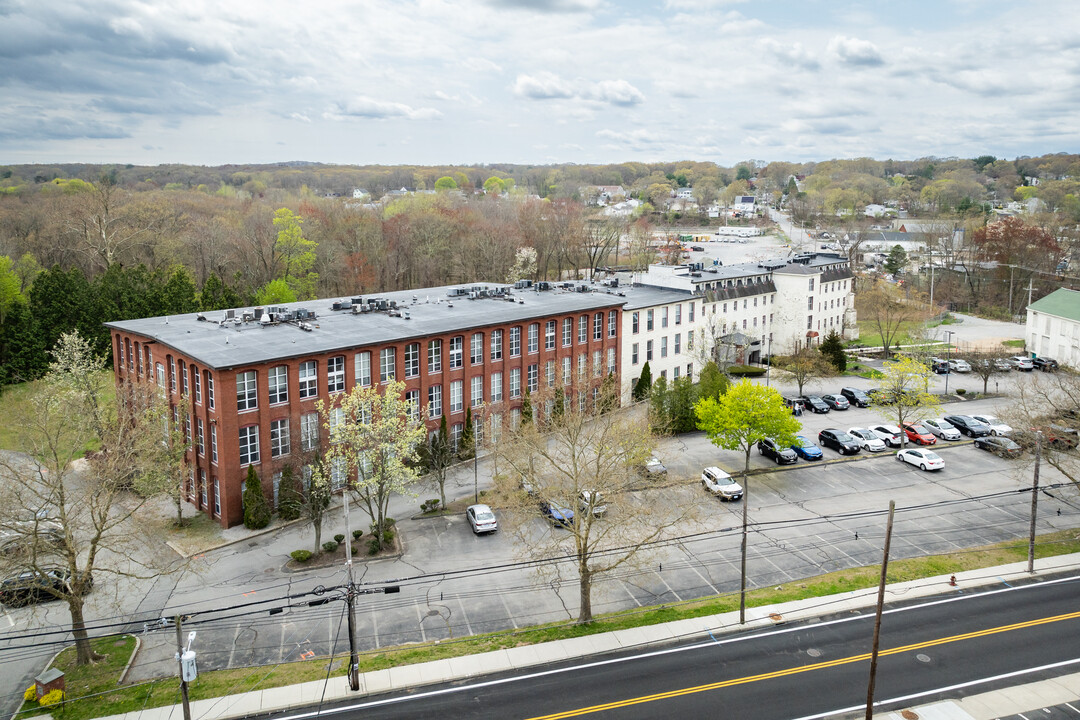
(230, 314)
(522, 284)
(248, 316)
(200, 317)
(407, 315)
(566, 285)
(695, 274)
(474, 295)
(357, 309)
(393, 304)
(357, 300)
(258, 313)
(543, 285)
(338, 306)
(583, 288)
(457, 292)
(265, 319)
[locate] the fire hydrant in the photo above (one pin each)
(952, 581)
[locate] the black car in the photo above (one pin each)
(814, 403)
(999, 445)
(35, 586)
(856, 397)
(968, 425)
(836, 402)
(781, 455)
(1045, 364)
(839, 441)
(939, 366)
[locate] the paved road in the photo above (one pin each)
(930, 650)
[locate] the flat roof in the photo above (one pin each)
(641, 296)
(431, 312)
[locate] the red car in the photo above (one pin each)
(918, 434)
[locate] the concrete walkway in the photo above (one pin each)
(987, 706)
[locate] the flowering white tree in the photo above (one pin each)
(375, 433)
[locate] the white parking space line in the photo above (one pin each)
(692, 562)
(232, 650)
(509, 614)
(375, 628)
(633, 597)
(420, 621)
(464, 616)
(667, 586)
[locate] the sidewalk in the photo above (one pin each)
(987, 706)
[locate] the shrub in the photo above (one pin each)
(746, 370)
(300, 556)
(329, 546)
(357, 534)
(373, 546)
(31, 694)
(53, 697)
(429, 506)
(388, 538)
(388, 524)
(256, 508)
(339, 538)
(960, 391)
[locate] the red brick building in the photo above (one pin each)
(243, 383)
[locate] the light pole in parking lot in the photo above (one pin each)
(948, 354)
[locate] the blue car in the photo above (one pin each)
(557, 514)
(806, 449)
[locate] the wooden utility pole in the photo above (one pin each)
(180, 666)
(1034, 503)
(877, 617)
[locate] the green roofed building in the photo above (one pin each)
(1053, 327)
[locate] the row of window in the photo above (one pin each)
(650, 317)
(676, 347)
(201, 490)
(675, 373)
(278, 377)
(189, 384)
(835, 286)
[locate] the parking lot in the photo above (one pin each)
(806, 519)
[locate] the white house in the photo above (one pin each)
(1053, 327)
(659, 328)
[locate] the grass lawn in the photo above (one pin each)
(229, 682)
(89, 680)
(869, 336)
(1013, 343)
(13, 404)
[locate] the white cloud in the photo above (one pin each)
(548, 86)
(854, 51)
(365, 107)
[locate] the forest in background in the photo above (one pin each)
(85, 244)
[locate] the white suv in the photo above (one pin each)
(719, 483)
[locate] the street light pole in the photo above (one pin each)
(948, 354)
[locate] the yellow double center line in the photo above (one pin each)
(805, 668)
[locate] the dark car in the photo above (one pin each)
(839, 441)
(836, 402)
(782, 455)
(856, 397)
(557, 514)
(968, 425)
(938, 365)
(999, 445)
(806, 449)
(814, 403)
(36, 586)
(1045, 364)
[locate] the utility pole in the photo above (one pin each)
(180, 664)
(1030, 279)
(877, 617)
(354, 656)
(1034, 503)
(1012, 270)
(742, 564)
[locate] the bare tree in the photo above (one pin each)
(601, 236)
(806, 364)
(109, 224)
(89, 513)
(578, 464)
(1047, 402)
(888, 311)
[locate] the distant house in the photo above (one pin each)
(685, 193)
(1053, 327)
(611, 192)
(744, 205)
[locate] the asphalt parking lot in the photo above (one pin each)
(807, 519)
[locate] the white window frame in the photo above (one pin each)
(412, 360)
(496, 387)
(496, 344)
(280, 437)
(457, 352)
(362, 368)
(515, 383)
(434, 356)
(387, 365)
(249, 445)
(476, 391)
(309, 432)
(277, 382)
(515, 342)
(335, 374)
(308, 379)
(247, 393)
(476, 349)
(457, 401)
(434, 402)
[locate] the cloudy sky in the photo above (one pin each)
(535, 81)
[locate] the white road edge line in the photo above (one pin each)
(695, 646)
(958, 686)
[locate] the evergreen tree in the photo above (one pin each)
(216, 295)
(681, 399)
(256, 507)
(291, 499)
(526, 408)
(658, 407)
(467, 445)
(832, 347)
(644, 383)
(179, 293)
(712, 382)
(897, 259)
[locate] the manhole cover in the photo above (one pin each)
(909, 715)
(776, 617)
(813, 652)
(432, 613)
(922, 657)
